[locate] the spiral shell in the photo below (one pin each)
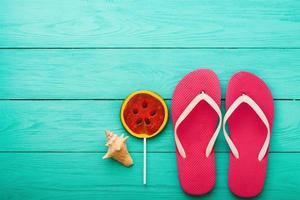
(117, 148)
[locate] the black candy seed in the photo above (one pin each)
(153, 113)
(139, 121)
(135, 111)
(147, 121)
(145, 104)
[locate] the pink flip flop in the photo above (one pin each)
(250, 112)
(195, 114)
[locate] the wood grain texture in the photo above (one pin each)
(78, 126)
(85, 176)
(113, 74)
(66, 66)
(94, 23)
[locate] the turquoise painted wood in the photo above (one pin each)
(66, 66)
(113, 74)
(169, 23)
(78, 126)
(86, 176)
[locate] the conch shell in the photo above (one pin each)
(117, 148)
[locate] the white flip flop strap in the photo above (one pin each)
(186, 112)
(246, 99)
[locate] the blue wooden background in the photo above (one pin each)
(66, 66)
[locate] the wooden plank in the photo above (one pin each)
(113, 74)
(86, 176)
(77, 23)
(79, 126)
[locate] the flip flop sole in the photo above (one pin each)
(246, 175)
(196, 172)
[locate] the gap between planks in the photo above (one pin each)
(136, 48)
(140, 152)
(101, 99)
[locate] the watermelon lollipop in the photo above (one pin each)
(144, 114)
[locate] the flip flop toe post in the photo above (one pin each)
(196, 118)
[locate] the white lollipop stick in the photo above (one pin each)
(145, 163)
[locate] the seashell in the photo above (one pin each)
(117, 148)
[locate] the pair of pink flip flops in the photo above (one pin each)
(197, 120)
